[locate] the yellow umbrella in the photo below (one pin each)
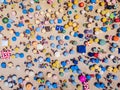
(75, 29)
(96, 66)
(109, 69)
(102, 3)
(64, 18)
(99, 69)
(76, 16)
(79, 87)
(75, 2)
(13, 56)
(69, 4)
(16, 49)
(118, 67)
(66, 26)
(92, 68)
(10, 64)
(104, 20)
(70, 23)
(96, 40)
(61, 69)
(115, 70)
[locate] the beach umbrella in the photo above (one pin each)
(102, 85)
(112, 49)
(115, 38)
(5, 20)
(97, 60)
(118, 67)
(118, 34)
(97, 84)
(98, 76)
(36, 1)
(102, 42)
(88, 77)
(82, 78)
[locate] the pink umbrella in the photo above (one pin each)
(82, 78)
(49, 1)
(86, 86)
(113, 1)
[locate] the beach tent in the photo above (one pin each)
(4, 42)
(81, 49)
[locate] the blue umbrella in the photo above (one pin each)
(54, 85)
(21, 55)
(103, 68)
(118, 34)
(31, 10)
(98, 76)
(105, 60)
(38, 37)
(47, 83)
(52, 45)
(20, 80)
(112, 49)
(51, 37)
(58, 46)
(90, 54)
(14, 38)
(27, 31)
(50, 86)
(92, 60)
(24, 11)
(48, 60)
(63, 63)
(72, 52)
(1, 28)
(88, 77)
(38, 7)
(97, 60)
(3, 65)
(75, 61)
(17, 34)
(40, 74)
(115, 77)
(114, 45)
(75, 34)
(66, 70)
(80, 35)
(67, 37)
(41, 87)
(16, 55)
(2, 77)
(102, 85)
(72, 77)
(97, 84)
(8, 25)
(29, 64)
(79, 71)
(59, 21)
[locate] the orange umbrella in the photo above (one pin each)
(115, 38)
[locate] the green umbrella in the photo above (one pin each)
(74, 43)
(61, 74)
(36, 1)
(112, 15)
(63, 31)
(5, 20)
(102, 42)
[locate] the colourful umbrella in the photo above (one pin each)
(82, 78)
